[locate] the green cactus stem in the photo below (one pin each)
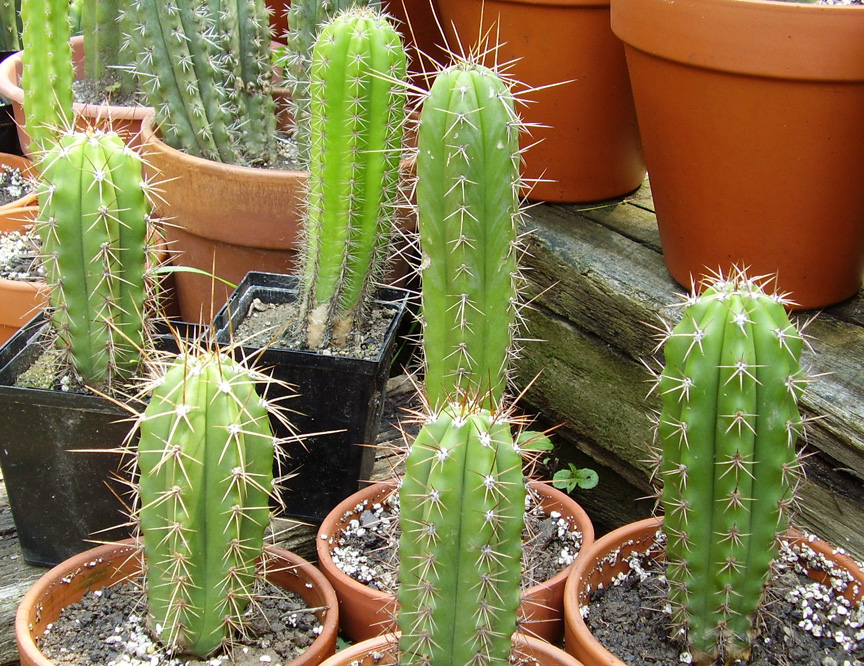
(206, 458)
(10, 25)
(305, 18)
(105, 28)
(468, 203)
(463, 500)
(358, 118)
(93, 221)
(47, 73)
(728, 426)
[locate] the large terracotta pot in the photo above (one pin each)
(750, 113)
(383, 651)
(222, 219)
(608, 557)
(125, 120)
(589, 141)
(115, 563)
(366, 612)
(19, 301)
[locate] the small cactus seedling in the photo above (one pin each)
(728, 427)
(47, 70)
(93, 222)
(467, 192)
(205, 455)
(358, 118)
(305, 19)
(462, 506)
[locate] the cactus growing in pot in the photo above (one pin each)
(467, 192)
(461, 519)
(358, 119)
(729, 469)
(107, 58)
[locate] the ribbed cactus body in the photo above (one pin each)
(305, 18)
(10, 25)
(47, 73)
(467, 197)
(206, 459)
(93, 217)
(462, 506)
(105, 27)
(358, 118)
(728, 429)
(205, 66)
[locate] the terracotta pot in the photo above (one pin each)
(365, 612)
(19, 301)
(590, 144)
(222, 219)
(383, 651)
(417, 23)
(26, 168)
(750, 118)
(115, 563)
(607, 558)
(125, 120)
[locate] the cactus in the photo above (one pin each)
(206, 459)
(10, 25)
(728, 428)
(93, 218)
(47, 70)
(468, 201)
(105, 28)
(205, 66)
(463, 500)
(305, 18)
(358, 117)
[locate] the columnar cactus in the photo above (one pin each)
(206, 458)
(206, 69)
(93, 220)
(305, 18)
(728, 427)
(468, 202)
(358, 118)
(463, 500)
(105, 28)
(47, 70)
(10, 25)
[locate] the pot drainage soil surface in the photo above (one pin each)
(13, 184)
(107, 627)
(18, 253)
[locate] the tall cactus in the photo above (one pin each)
(728, 427)
(305, 18)
(47, 70)
(358, 118)
(463, 500)
(468, 200)
(10, 25)
(93, 219)
(206, 458)
(206, 68)
(105, 27)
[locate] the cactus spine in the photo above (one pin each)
(305, 18)
(206, 69)
(358, 117)
(206, 460)
(93, 218)
(468, 201)
(461, 520)
(728, 428)
(47, 69)
(10, 25)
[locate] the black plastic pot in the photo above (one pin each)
(338, 395)
(8, 131)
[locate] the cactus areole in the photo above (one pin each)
(206, 460)
(728, 428)
(460, 549)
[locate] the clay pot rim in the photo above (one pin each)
(790, 45)
(128, 548)
(9, 87)
(26, 212)
(551, 4)
(348, 504)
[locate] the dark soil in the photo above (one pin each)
(13, 184)
(107, 627)
(367, 550)
(276, 325)
(803, 623)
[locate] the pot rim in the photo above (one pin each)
(763, 38)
